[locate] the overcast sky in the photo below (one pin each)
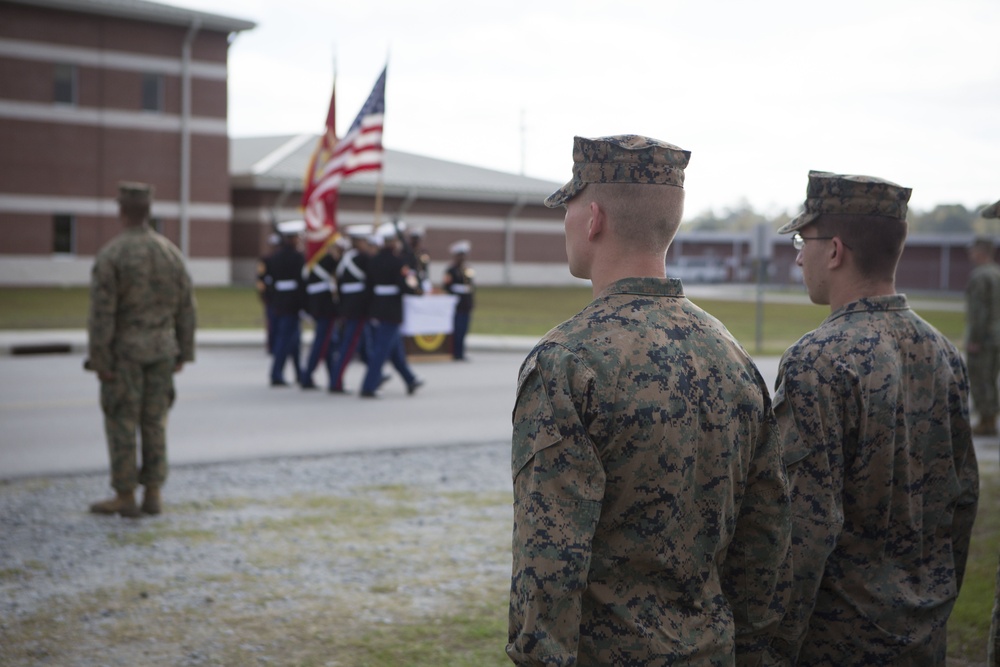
(760, 91)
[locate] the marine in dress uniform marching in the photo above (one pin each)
(322, 305)
(283, 277)
(389, 278)
(352, 286)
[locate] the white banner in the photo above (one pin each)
(428, 314)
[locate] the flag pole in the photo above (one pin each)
(378, 200)
(378, 183)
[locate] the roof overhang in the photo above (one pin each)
(361, 189)
(142, 10)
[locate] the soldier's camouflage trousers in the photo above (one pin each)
(138, 399)
(984, 366)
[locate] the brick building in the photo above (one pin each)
(93, 92)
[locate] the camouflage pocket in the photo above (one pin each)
(535, 427)
(112, 394)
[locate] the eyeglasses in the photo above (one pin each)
(799, 241)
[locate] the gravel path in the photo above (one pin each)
(249, 558)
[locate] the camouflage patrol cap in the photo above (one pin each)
(624, 158)
(991, 211)
(132, 193)
(849, 195)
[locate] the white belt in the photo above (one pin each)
(461, 289)
(386, 290)
(286, 285)
(352, 288)
(316, 288)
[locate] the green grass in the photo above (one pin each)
(518, 311)
(969, 624)
(66, 308)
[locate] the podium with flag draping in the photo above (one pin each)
(428, 322)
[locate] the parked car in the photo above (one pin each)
(698, 270)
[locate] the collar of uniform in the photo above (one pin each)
(871, 304)
(645, 287)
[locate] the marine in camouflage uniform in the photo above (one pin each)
(993, 653)
(651, 517)
(141, 331)
(873, 412)
(982, 333)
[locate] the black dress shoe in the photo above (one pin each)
(278, 383)
(309, 385)
(413, 386)
(368, 394)
(332, 390)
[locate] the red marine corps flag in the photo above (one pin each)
(359, 150)
(321, 212)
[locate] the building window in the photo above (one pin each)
(63, 234)
(152, 92)
(156, 224)
(64, 89)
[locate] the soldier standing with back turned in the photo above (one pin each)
(982, 333)
(650, 502)
(141, 332)
(993, 653)
(874, 417)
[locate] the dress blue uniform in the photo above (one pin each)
(388, 279)
(351, 284)
(321, 304)
(286, 296)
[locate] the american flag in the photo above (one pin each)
(359, 150)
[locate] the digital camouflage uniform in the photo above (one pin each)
(650, 502)
(993, 657)
(651, 518)
(874, 417)
(142, 321)
(982, 327)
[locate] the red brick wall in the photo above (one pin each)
(105, 32)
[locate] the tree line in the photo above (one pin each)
(942, 219)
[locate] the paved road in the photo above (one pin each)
(50, 422)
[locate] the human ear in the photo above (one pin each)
(598, 220)
(837, 248)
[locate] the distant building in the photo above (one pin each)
(515, 238)
(93, 92)
(932, 263)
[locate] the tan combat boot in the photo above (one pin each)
(122, 503)
(151, 500)
(987, 425)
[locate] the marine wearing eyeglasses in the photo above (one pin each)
(799, 241)
(872, 408)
